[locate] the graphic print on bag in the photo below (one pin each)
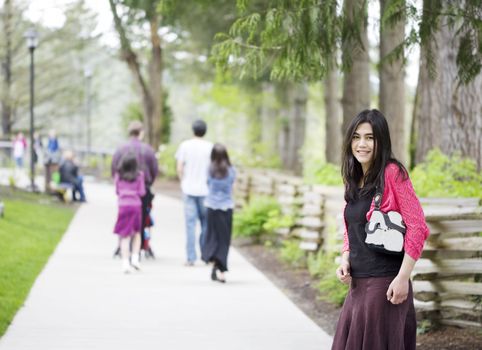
(385, 231)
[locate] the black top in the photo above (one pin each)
(69, 172)
(365, 262)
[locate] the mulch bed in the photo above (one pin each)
(298, 285)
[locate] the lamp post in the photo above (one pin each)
(32, 42)
(88, 78)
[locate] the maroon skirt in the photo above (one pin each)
(368, 321)
(128, 221)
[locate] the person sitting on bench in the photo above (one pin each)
(69, 173)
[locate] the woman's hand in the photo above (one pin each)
(398, 290)
(343, 272)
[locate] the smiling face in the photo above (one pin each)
(363, 145)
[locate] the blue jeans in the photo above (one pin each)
(193, 210)
(78, 188)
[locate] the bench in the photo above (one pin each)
(62, 190)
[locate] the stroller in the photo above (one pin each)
(146, 232)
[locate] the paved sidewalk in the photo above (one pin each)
(83, 301)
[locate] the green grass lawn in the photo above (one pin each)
(29, 232)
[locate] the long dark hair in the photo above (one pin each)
(219, 161)
(128, 167)
(351, 169)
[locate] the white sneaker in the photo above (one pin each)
(126, 267)
(135, 262)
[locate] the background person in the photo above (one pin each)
(52, 155)
(147, 163)
(69, 173)
(19, 148)
(130, 188)
(219, 218)
(193, 160)
(378, 312)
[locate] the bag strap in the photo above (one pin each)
(377, 198)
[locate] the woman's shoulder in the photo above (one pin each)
(395, 172)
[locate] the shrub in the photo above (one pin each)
(260, 156)
(322, 265)
(332, 289)
(324, 174)
(291, 253)
(250, 221)
(443, 176)
(276, 220)
(167, 161)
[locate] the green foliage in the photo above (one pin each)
(249, 221)
(323, 174)
(299, 39)
(292, 254)
(293, 40)
(462, 19)
(12, 182)
(133, 111)
(322, 266)
(443, 176)
(261, 157)
(61, 56)
(331, 289)
(276, 220)
(424, 326)
(167, 161)
(29, 231)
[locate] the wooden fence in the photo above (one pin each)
(447, 280)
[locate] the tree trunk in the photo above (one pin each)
(283, 112)
(155, 83)
(298, 126)
(356, 85)
(449, 114)
(332, 119)
(269, 125)
(414, 125)
(392, 85)
(254, 130)
(151, 91)
(293, 101)
(7, 70)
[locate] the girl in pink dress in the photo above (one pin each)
(129, 184)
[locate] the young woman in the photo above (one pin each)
(219, 204)
(378, 312)
(129, 184)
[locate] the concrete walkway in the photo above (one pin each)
(83, 301)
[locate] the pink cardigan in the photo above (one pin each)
(399, 195)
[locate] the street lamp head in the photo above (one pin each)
(32, 38)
